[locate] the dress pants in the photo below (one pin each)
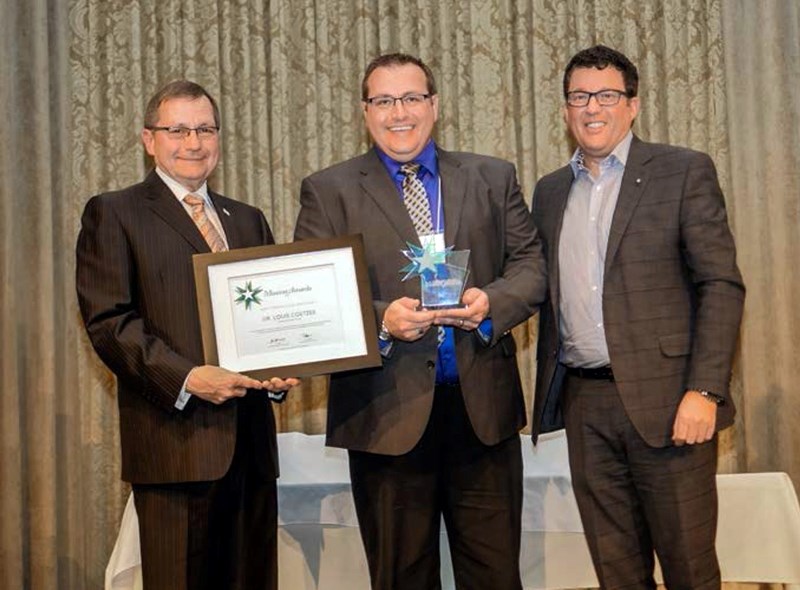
(401, 500)
(635, 499)
(218, 535)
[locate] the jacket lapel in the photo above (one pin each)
(558, 197)
(164, 204)
(377, 185)
(634, 181)
(454, 193)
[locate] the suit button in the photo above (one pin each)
(430, 364)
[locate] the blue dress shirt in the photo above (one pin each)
(446, 369)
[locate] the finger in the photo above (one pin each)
(471, 295)
(248, 382)
(679, 431)
(409, 303)
(676, 434)
(279, 384)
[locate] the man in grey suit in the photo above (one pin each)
(637, 340)
(198, 441)
(434, 431)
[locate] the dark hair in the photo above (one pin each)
(396, 59)
(601, 57)
(177, 89)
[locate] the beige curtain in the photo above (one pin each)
(763, 146)
(717, 75)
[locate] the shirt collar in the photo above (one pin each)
(618, 156)
(181, 191)
(426, 159)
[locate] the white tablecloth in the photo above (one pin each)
(758, 537)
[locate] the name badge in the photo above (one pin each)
(434, 241)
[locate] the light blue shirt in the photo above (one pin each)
(582, 256)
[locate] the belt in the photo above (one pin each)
(604, 373)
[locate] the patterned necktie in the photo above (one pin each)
(203, 223)
(416, 200)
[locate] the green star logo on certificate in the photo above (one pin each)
(248, 295)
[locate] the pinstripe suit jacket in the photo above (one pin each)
(137, 297)
(385, 410)
(672, 293)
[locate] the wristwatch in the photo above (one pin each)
(384, 335)
(712, 397)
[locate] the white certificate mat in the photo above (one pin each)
(290, 310)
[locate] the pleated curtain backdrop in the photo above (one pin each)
(716, 75)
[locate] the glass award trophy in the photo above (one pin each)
(442, 274)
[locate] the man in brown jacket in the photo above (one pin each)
(637, 339)
(198, 441)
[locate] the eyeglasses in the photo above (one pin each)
(605, 98)
(410, 101)
(177, 132)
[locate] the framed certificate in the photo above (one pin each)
(288, 310)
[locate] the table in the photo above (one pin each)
(758, 537)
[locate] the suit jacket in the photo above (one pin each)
(672, 293)
(137, 296)
(385, 410)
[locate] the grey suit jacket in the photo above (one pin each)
(137, 297)
(385, 410)
(672, 293)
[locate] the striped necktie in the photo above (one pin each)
(203, 223)
(416, 200)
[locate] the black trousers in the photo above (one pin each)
(477, 489)
(635, 499)
(218, 535)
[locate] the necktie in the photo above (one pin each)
(416, 200)
(203, 223)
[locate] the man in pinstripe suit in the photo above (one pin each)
(637, 341)
(198, 441)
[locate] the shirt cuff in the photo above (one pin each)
(485, 331)
(183, 397)
(277, 396)
(385, 347)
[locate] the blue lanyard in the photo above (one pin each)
(437, 212)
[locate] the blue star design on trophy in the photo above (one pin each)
(248, 295)
(425, 261)
(442, 273)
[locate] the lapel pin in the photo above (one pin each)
(638, 181)
(225, 211)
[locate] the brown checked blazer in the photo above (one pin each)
(672, 293)
(137, 297)
(385, 410)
